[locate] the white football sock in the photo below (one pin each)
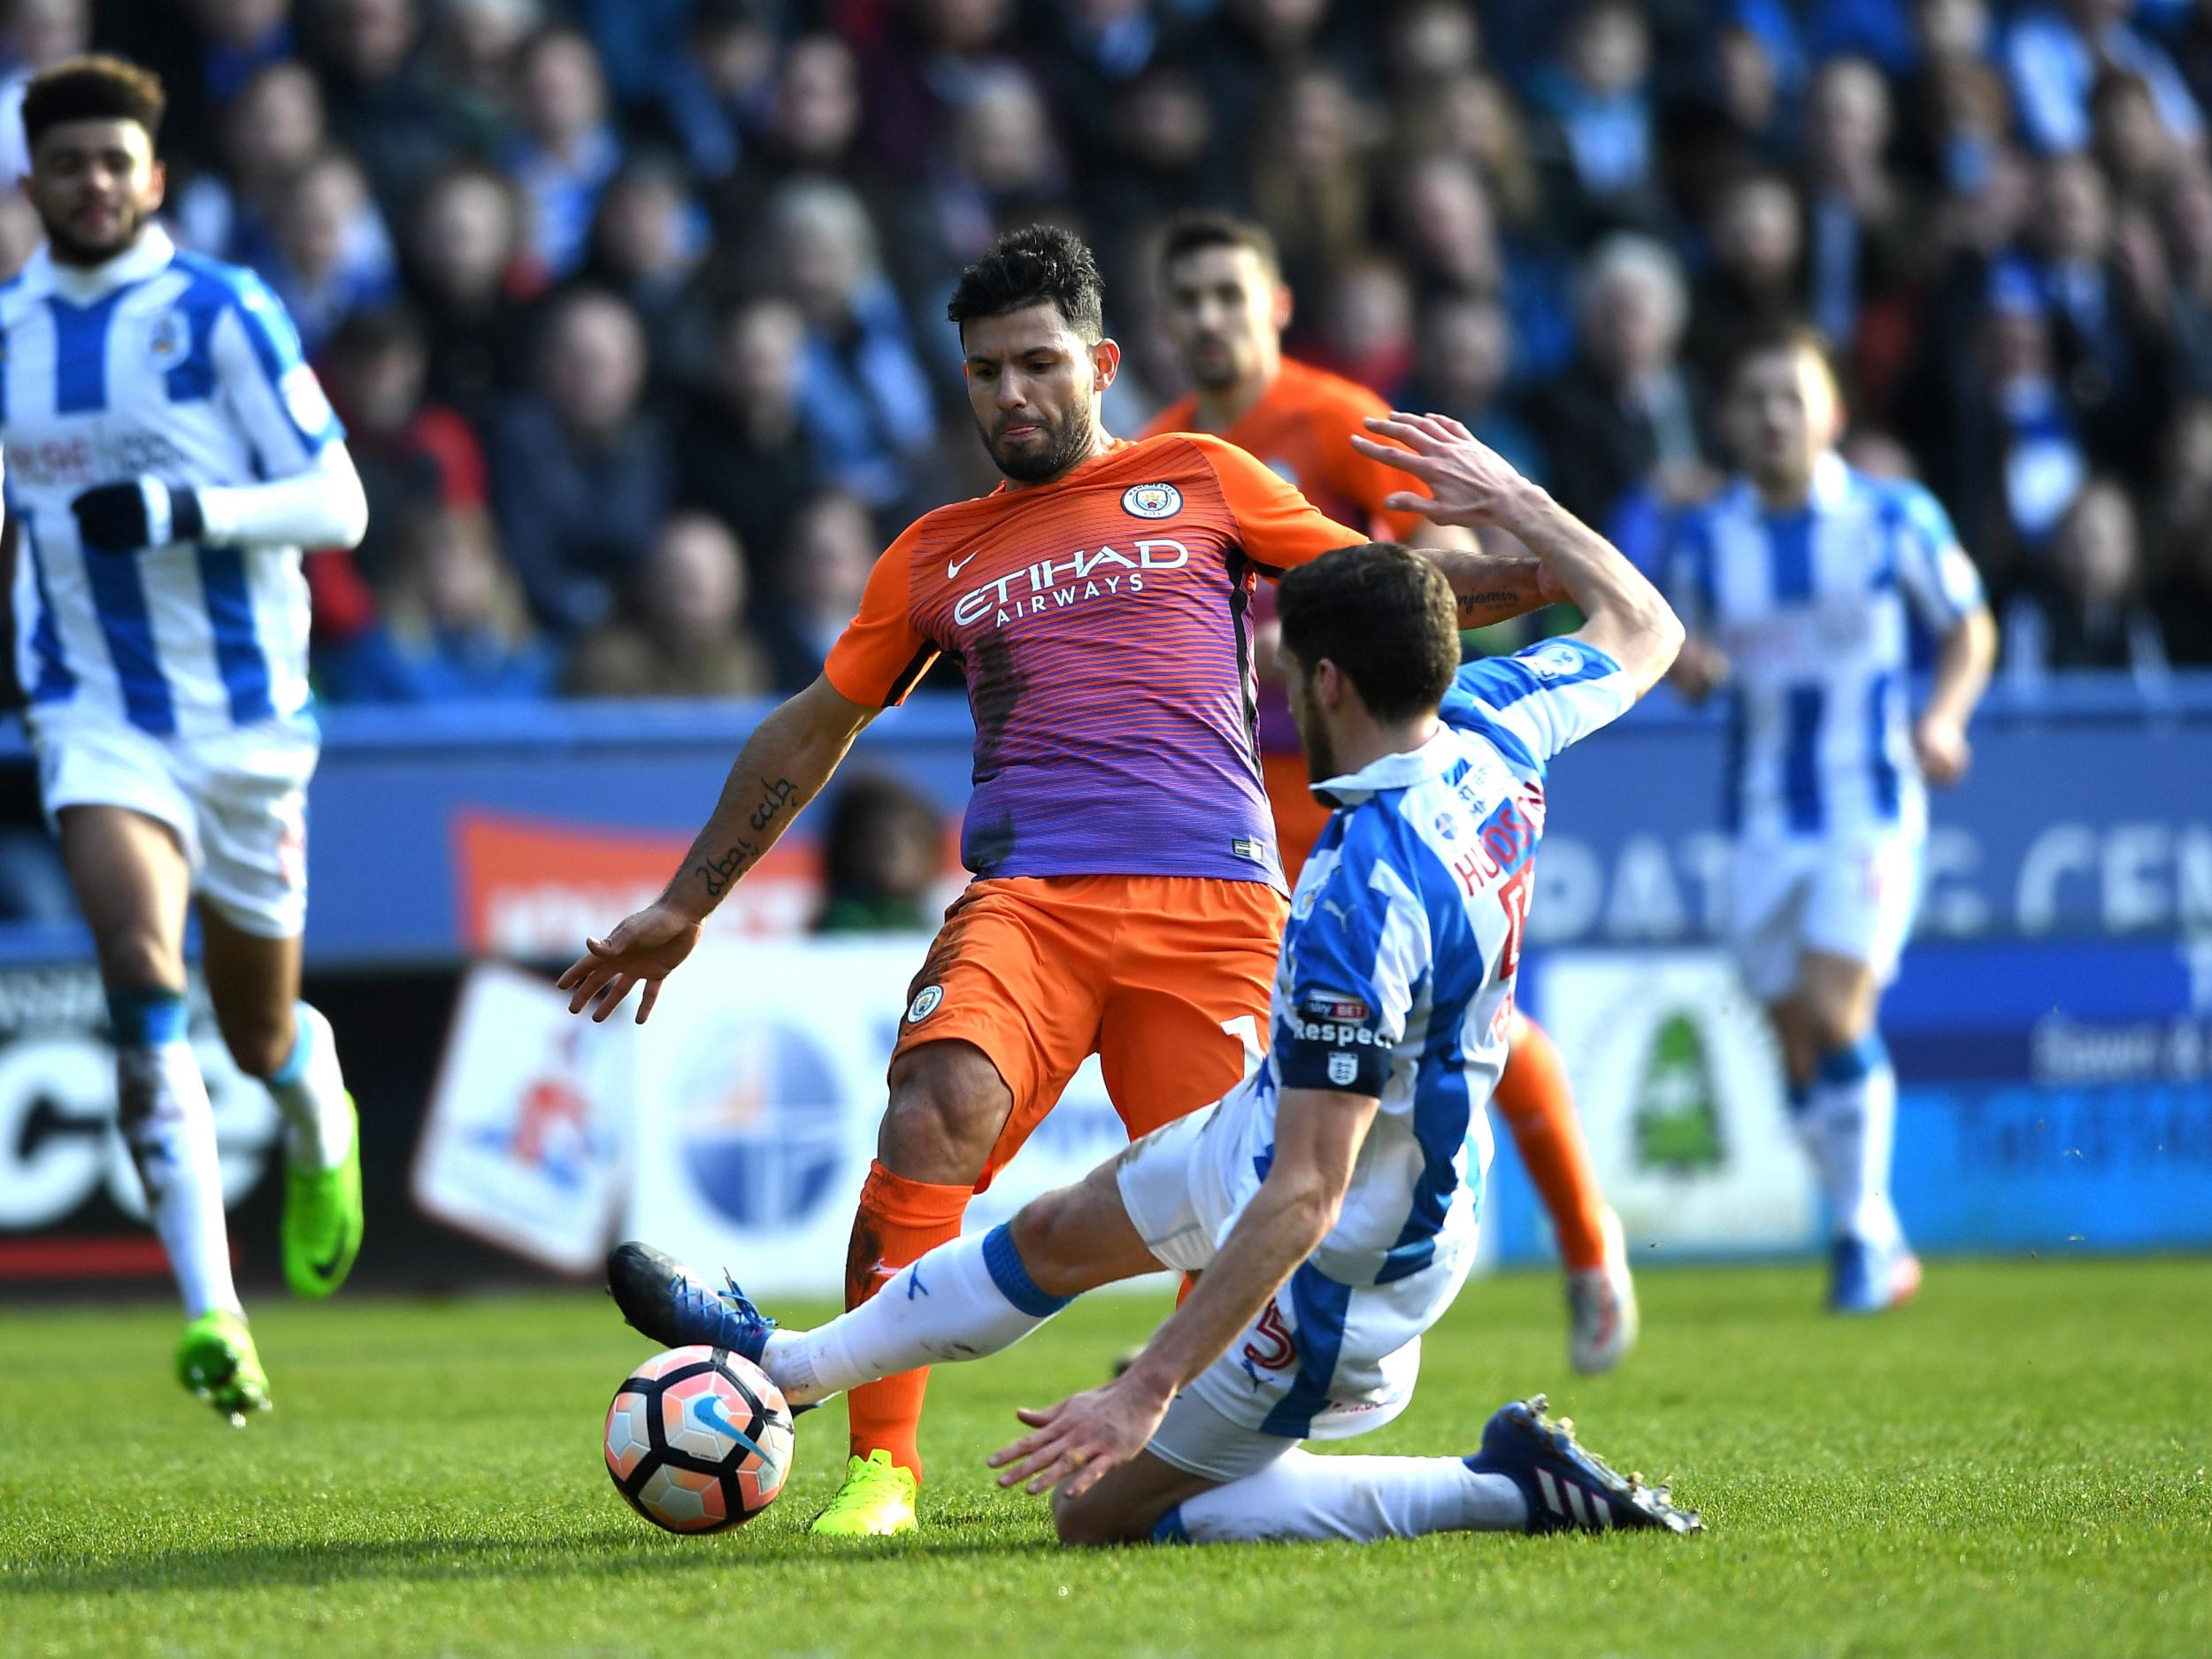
(1852, 1124)
(170, 1129)
(960, 1301)
(311, 1091)
(1357, 1499)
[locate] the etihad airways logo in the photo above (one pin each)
(1052, 584)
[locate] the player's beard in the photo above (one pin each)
(1313, 736)
(1066, 441)
(70, 251)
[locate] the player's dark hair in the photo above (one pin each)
(1037, 265)
(1385, 616)
(1189, 232)
(1763, 340)
(95, 87)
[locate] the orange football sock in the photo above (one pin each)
(900, 1221)
(1538, 1107)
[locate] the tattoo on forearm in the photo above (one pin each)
(1479, 605)
(719, 873)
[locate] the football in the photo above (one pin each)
(697, 1439)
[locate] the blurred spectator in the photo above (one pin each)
(580, 476)
(743, 453)
(1250, 49)
(455, 629)
(929, 63)
(1101, 48)
(414, 456)
(270, 132)
(2105, 331)
(862, 392)
(647, 244)
(2186, 215)
(1367, 325)
(34, 35)
(717, 93)
(564, 150)
(1466, 359)
(813, 130)
(682, 632)
(1599, 138)
(2052, 52)
(1473, 117)
(479, 43)
(1866, 238)
(204, 51)
(384, 106)
(1162, 155)
(1001, 170)
(1756, 282)
(827, 555)
(1448, 233)
(2135, 148)
(882, 856)
(467, 272)
(2086, 609)
(1429, 42)
(332, 253)
(1308, 175)
(2183, 594)
(1626, 415)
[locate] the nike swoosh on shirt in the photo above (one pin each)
(952, 571)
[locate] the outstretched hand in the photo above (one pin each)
(644, 949)
(1470, 483)
(1078, 1441)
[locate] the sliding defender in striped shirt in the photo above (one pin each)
(168, 454)
(1796, 582)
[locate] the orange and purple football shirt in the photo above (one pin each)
(1103, 625)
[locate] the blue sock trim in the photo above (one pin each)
(1863, 1058)
(1169, 1529)
(1800, 1098)
(295, 1066)
(145, 1017)
(1003, 1263)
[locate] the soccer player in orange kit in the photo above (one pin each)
(1128, 899)
(1226, 306)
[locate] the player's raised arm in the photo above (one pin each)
(783, 765)
(1625, 617)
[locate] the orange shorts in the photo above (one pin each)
(1166, 978)
(1299, 817)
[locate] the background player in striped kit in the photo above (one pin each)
(1796, 581)
(1226, 307)
(168, 454)
(1128, 900)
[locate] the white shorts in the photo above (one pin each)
(237, 802)
(1322, 1361)
(1851, 895)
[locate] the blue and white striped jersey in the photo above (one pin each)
(1397, 969)
(1809, 607)
(163, 364)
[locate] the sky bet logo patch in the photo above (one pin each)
(1338, 1009)
(1152, 500)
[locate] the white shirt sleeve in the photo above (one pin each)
(1937, 577)
(1553, 694)
(266, 385)
(322, 507)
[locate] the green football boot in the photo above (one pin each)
(322, 1221)
(217, 1362)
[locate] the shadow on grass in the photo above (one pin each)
(611, 1554)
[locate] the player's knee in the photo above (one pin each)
(1052, 1244)
(947, 1105)
(260, 1041)
(1833, 1024)
(1088, 1523)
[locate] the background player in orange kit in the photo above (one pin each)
(1226, 306)
(1129, 899)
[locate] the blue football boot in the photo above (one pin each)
(667, 1301)
(1567, 1488)
(1864, 1277)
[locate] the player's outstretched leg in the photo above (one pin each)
(1537, 1103)
(169, 1127)
(1529, 1477)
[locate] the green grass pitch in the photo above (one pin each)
(2014, 1465)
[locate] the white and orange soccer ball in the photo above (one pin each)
(698, 1439)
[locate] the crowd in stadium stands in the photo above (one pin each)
(635, 307)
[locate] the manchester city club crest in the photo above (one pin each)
(1152, 500)
(168, 338)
